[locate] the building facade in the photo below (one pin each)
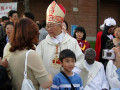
(87, 13)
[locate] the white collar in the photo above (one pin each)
(58, 39)
(88, 66)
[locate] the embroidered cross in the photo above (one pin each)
(81, 44)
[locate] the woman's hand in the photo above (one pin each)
(3, 63)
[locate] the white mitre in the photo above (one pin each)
(55, 13)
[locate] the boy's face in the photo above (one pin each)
(68, 64)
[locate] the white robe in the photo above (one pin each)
(112, 75)
(47, 48)
(93, 76)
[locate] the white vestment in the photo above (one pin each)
(93, 76)
(47, 49)
(112, 76)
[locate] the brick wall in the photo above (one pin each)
(86, 15)
(39, 8)
(109, 9)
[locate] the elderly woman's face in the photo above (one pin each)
(90, 57)
(9, 29)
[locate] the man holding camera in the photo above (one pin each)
(113, 69)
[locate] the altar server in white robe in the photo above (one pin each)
(113, 70)
(56, 40)
(92, 72)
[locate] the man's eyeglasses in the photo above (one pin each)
(47, 26)
(51, 26)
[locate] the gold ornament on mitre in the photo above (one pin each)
(55, 13)
(56, 62)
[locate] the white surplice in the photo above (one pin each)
(93, 76)
(112, 76)
(47, 49)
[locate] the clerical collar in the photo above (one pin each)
(58, 39)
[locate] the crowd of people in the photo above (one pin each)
(57, 60)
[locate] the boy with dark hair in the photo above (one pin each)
(66, 79)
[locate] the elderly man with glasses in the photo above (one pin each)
(56, 40)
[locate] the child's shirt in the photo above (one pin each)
(61, 83)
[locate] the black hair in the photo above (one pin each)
(29, 15)
(90, 51)
(43, 24)
(66, 24)
(66, 53)
(5, 82)
(11, 12)
(80, 29)
(9, 23)
(4, 18)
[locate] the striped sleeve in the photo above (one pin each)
(56, 84)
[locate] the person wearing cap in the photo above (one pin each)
(92, 72)
(56, 40)
(109, 26)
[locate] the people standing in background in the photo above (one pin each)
(13, 16)
(113, 42)
(43, 32)
(5, 19)
(8, 28)
(92, 72)
(28, 15)
(65, 27)
(80, 36)
(39, 25)
(109, 26)
(73, 80)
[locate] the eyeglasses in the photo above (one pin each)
(47, 26)
(51, 26)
